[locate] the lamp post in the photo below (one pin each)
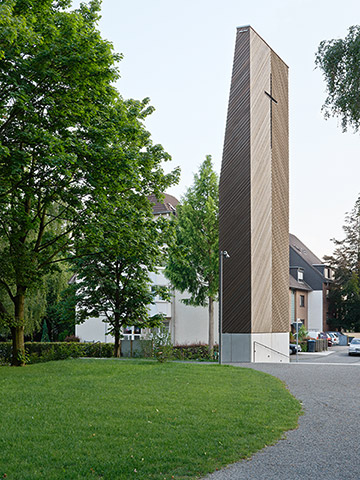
(223, 254)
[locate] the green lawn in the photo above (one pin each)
(131, 419)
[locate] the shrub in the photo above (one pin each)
(162, 345)
(158, 346)
(45, 351)
(198, 352)
(72, 338)
(147, 348)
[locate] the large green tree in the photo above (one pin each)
(193, 257)
(70, 146)
(344, 295)
(114, 284)
(339, 62)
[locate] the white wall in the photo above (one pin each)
(191, 323)
(160, 306)
(93, 330)
(315, 310)
(188, 325)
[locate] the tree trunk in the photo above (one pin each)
(17, 332)
(211, 325)
(117, 345)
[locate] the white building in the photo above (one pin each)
(187, 324)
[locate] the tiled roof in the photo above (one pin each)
(168, 205)
(303, 251)
(293, 283)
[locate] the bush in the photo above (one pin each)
(198, 352)
(162, 345)
(72, 338)
(44, 351)
(159, 347)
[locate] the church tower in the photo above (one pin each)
(254, 206)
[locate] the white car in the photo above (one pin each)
(334, 338)
(354, 346)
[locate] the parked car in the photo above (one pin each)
(292, 348)
(325, 336)
(329, 339)
(334, 337)
(313, 334)
(354, 346)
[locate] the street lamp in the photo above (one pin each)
(223, 254)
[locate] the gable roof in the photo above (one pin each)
(303, 251)
(168, 205)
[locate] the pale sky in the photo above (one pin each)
(180, 54)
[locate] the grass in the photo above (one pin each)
(134, 419)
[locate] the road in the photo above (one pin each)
(334, 355)
(325, 446)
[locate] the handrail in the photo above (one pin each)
(269, 348)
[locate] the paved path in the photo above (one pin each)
(327, 443)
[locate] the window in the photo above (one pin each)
(302, 300)
(300, 276)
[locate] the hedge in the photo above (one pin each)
(43, 352)
(46, 351)
(195, 352)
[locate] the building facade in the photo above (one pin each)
(254, 206)
(187, 324)
(313, 280)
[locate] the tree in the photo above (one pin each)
(70, 146)
(344, 295)
(59, 315)
(115, 282)
(339, 61)
(193, 257)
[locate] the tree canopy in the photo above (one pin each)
(344, 296)
(71, 148)
(114, 283)
(193, 257)
(339, 61)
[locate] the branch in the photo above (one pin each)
(55, 217)
(5, 230)
(7, 289)
(10, 117)
(41, 230)
(3, 309)
(65, 259)
(51, 242)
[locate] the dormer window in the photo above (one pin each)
(328, 273)
(300, 276)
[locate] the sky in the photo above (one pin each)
(180, 54)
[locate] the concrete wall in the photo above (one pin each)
(255, 347)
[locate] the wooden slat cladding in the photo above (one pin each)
(280, 196)
(254, 186)
(260, 184)
(234, 214)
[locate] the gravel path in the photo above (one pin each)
(326, 444)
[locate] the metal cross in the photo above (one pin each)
(272, 100)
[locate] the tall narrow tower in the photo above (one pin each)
(254, 206)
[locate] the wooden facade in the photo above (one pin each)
(254, 191)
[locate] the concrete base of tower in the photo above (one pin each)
(255, 347)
